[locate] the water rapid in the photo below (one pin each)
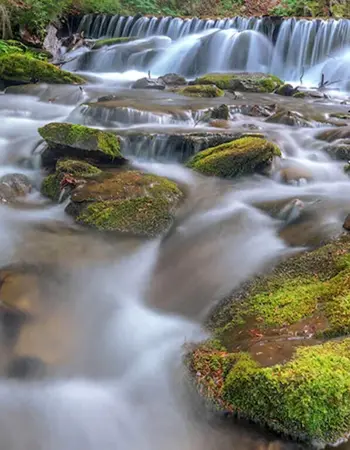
(110, 316)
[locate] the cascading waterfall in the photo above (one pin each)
(290, 48)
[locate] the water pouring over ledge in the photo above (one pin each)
(288, 48)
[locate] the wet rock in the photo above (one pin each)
(221, 112)
(290, 118)
(127, 202)
(77, 141)
(148, 83)
(339, 150)
(29, 38)
(68, 175)
(245, 82)
(13, 186)
(346, 224)
(26, 368)
(111, 41)
(51, 42)
(257, 110)
(172, 79)
(286, 90)
(18, 69)
(241, 157)
(340, 116)
(334, 134)
(293, 174)
(220, 123)
(205, 91)
(273, 336)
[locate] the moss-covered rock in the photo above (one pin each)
(290, 118)
(78, 141)
(299, 94)
(111, 41)
(208, 91)
(21, 69)
(272, 361)
(126, 202)
(340, 116)
(239, 157)
(72, 170)
(249, 82)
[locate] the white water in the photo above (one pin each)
(129, 307)
(290, 50)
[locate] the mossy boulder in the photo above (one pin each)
(205, 91)
(281, 354)
(111, 41)
(126, 202)
(65, 140)
(290, 118)
(286, 90)
(22, 69)
(240, 157)
(73, 170)
(248, 82)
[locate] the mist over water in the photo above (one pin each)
(112, 315)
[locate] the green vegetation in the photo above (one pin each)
(66, 140)
(307, 395)
(75, 170)
(208, 91)
(239, 157)
(250, 82)
(126, 202)
(313, 8)
(22, 68)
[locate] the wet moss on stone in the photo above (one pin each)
(239, 157)
(251, 82)
(21, 68)
(127, 202)
(111, 41)
(206, 91)
(50, 187)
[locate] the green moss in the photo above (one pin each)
(77, 168)
(341, 116)
(81, 137)
(253, 82)
(111, 41)
(299, 95)
(307, 398)
(127, 202)
(208, 91)
(50, 187)
(25, 69)
(243, 156)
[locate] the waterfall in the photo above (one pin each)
(289, 48)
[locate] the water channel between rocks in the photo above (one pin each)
(110, 315)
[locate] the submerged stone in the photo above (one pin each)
(206, 91)
(78, 141)
(286, 90)
(22, 69)
(248, 82)
(13, 186)
(127, 202)
(240, 157)
(272, 361)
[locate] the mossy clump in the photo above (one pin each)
(111, 41)
(340, 116)
(249, 82)
(240, 157)
(308, 398)
(73, 169)
(305, 395)
(20, 68)
(127, 202)
(68, 140)
(205, 91)
(299, 94)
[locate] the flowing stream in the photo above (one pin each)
(111, 315)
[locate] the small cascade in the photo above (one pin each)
(290, 48)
